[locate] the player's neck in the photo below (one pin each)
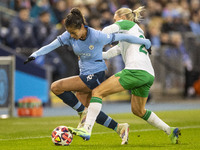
(84, 36)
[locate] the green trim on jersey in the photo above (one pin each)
(125, 24)
(96, 100)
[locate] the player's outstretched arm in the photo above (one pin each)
(44, 50)
(132, 39)
(114, 29)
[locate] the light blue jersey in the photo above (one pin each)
(89, 50)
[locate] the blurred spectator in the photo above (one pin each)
(60, 10)
(185, 24)
(195, 23)
(177, 51)
(17, 4)
(40, 6)
(194, 5)
(4, 29)
(102, 5)
(105, 18)
(21, 31)
(154, 31)
(164, 38)
(95, 22)
(171, 10)
(167, 25)
(85, 11)
(177, 41)
(184, 8)
(171, 15)
(154, 8)
(44, 31)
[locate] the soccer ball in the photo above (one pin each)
(61, 136)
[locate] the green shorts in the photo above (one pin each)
(138, 81)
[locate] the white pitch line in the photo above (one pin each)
(110, 132)
(147, 130)
(25, 138)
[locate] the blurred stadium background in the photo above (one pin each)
(173, 26)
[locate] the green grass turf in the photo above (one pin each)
(35, 133)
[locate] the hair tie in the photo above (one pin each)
(133, 13)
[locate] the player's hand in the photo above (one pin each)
(149, 51)
(147, 44)
(29, 59)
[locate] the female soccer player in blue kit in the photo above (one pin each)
(87, 44)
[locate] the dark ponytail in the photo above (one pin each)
(74, 19)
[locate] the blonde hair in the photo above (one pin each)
(132, 15)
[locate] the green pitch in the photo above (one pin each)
(35, 133)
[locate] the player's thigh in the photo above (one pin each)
(73, 83)
(109, 86)
(84, 97)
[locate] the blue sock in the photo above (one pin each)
(106, 121)
(70, 99)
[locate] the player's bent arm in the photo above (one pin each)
(111, 29)
(46, 49)
(112, 52)
(132, 39)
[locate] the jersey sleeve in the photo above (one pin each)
(104, 38)
(112, 52)
(64, 38)
(110, 38)
(114, 28)
(131, 39)
(46, 49)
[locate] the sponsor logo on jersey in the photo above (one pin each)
(84, 54)
(108, 36)
(91, 47)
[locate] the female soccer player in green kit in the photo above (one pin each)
(137, 76)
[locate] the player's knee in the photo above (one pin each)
(138, 112)
(55, 88)
(96, 93)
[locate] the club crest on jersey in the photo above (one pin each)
(91, 47)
